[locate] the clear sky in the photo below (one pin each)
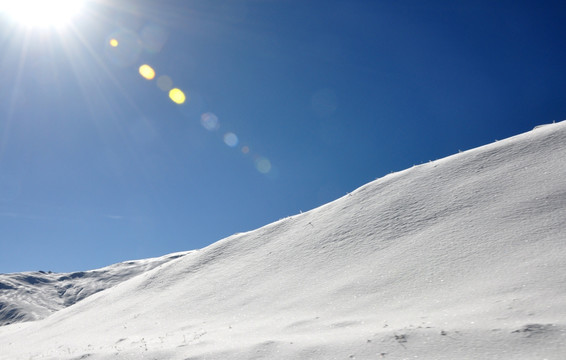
(289, 105)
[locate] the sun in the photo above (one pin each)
(42, 13)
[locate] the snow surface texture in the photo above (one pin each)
(460, 258)
(35, 295)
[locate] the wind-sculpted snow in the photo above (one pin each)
(460, 258)
(35, 295)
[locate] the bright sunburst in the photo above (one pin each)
(42, 13)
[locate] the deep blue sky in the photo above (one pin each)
(98, 165)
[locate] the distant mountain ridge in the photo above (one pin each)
(30, 296)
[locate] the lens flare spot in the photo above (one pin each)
(231, 139)
(245, 149)
(165, 83)
(209, 121)
(147, 72)
(263, 165)
(124, 48)
(177, 96)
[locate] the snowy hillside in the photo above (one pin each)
(35, 295)
(461, 258)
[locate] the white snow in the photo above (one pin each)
(32, 296)
(461, 258)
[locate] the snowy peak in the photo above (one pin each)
(32, 296)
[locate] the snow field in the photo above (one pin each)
(461, 258)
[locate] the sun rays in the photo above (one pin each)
(60, 33)
(42, 13)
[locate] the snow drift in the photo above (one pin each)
(460, 258)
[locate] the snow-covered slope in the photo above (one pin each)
(32, 296)
(461, 258)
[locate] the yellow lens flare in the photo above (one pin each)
(113, 42)
(42, 13)
(177, 96)
(147, 72)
